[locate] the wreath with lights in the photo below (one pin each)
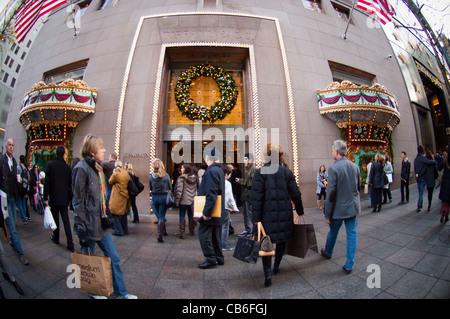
(220, 109)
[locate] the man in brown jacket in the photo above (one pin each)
(246, 181)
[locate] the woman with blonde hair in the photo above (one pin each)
(129, 168)
(160, 185)
(272, 191)
(91, 219)
(119, 202)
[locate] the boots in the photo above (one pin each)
(161, 230)
(319, 204)
(182, 228)
(191, 227)
(267, 263)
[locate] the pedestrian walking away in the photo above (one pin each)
(58, 194)
(91, 217)
(321, 190)
(184, 193)
(271, 198)
(420, 168)
(377, 181)
(160, 186)
(119, 202)
(343, 203)
(444, 193)
(230, 206)
(430, 178)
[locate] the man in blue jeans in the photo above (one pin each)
(420, 168)
(342, 204)
(9, 192)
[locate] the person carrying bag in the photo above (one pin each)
(273, 187)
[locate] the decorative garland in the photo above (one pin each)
(220, 109)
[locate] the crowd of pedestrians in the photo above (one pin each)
(103, 193)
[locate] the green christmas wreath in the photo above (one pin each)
(220, 109)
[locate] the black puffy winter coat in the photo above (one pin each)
(270, 198)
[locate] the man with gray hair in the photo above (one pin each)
(342, 204)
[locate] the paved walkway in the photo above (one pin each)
(411, 249)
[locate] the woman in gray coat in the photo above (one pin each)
(90, 210)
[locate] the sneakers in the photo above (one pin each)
(127, 296)
(97, 296)
(23, 260)
(227, 248)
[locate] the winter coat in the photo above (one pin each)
(247, 180)
(343, 189)
(420, 165)
(271, 197)
(86, 200)
(376, 177)
(159, 185)
(8, 182)
(444, 193)
(119, 202)
(406, 170)
(431, 173)
(58, 182)
(321, 177)
(108, 169)
(213, 184)
(185, 190)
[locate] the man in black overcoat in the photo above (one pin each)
(210, 228)
(58, 192)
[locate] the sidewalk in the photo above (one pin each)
(411, 249)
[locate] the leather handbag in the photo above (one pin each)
(170, 201)
(247, 250)
(266, 246)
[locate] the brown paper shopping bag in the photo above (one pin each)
(303, 242)
(95, 274)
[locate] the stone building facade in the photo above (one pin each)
(279, 54)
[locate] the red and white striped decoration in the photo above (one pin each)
(30, 13)
(381, 8)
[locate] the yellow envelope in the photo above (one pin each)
(199, 204)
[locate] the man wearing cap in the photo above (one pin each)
(210, 228)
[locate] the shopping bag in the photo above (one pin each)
(49, 222)
(95, 274)
(266, 246)
(366, 188)
(303, 242)
(247, 250)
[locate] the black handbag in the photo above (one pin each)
(170, 201)
(247, 250)
(132, 188)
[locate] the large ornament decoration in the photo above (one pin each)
(213, 113)
(50, 113)
(366, 116)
